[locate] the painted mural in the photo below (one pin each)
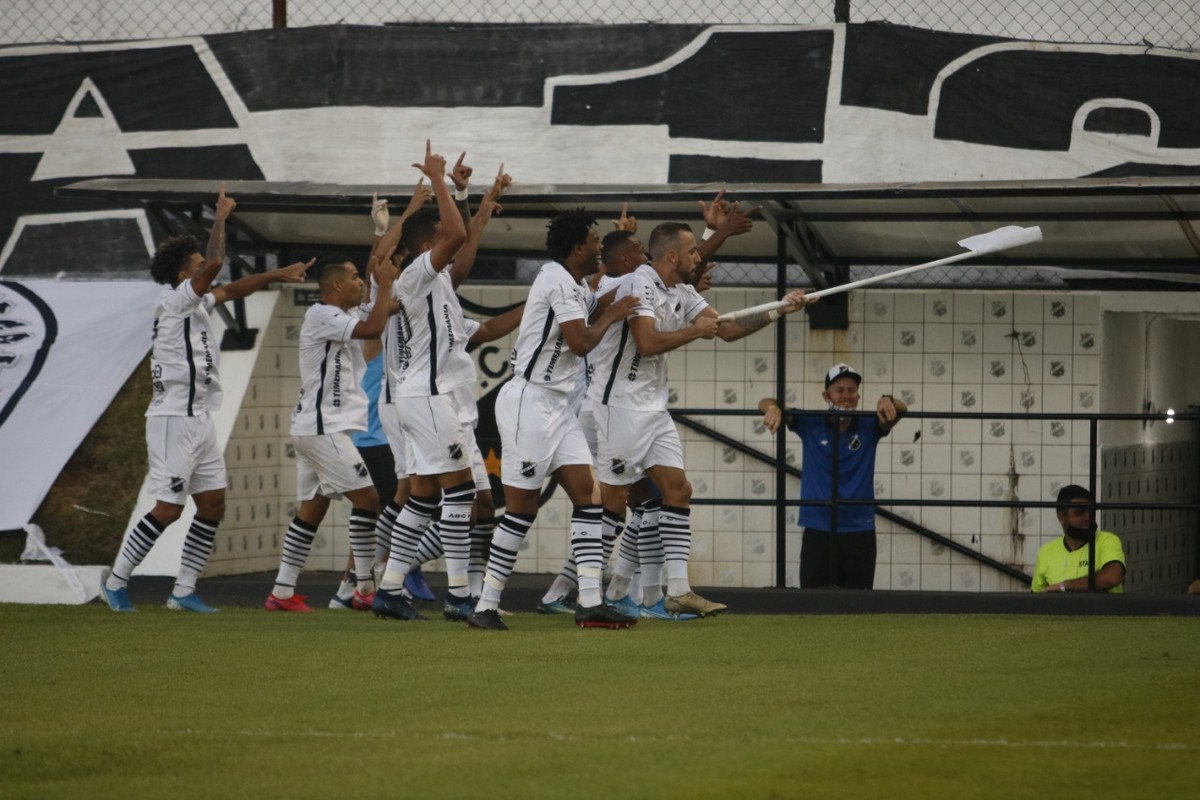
(573, 104)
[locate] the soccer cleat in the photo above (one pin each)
(339, 603)
(487, 620)
(394, 605)
(626, 606)
(362, 602)
(293, 603)
(602, 616)
(559, 606)
(458, 609)
(659, 611)
(692, 603)
(117, 599)
(416, 585)
(190, 602)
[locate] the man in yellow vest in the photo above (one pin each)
(1062, 564)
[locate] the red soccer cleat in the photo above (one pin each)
(293, 603)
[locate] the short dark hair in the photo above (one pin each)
(172, 256)
(332, 268)
(568, 229)
(419, 230)
(1067, 496)
(613, 244)
(664, 237)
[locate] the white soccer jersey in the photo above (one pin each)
(541, 355)
(429, 348)
(623, 377)
(464, 396)
(331, 373)
(184, 360)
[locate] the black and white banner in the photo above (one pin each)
(66, 348)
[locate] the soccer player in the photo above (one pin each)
(332, 404)
(430, 361)
(185, 456)
(540, 433)
(629, 399)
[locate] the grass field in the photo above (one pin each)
(328, 705)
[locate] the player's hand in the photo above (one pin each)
(502, 183)
(795, 301)
(713, 212)
(621, 309)
(434, 165)
(461, 173)
(735, 221)
(703, 279)
(379, 213)
(625, 222)
(225, 205)
(294, 273)
(706, 326)
(383, 269)
(420, 196)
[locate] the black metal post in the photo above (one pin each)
(781, 434)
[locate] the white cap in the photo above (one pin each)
(838, 370)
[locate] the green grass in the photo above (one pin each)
(247, 704)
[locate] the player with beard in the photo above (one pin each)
(838, 551)
(629, 398)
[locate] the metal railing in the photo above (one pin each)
(781, 502)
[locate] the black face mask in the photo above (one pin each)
(1082, 534)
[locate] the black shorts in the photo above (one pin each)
(845, 560)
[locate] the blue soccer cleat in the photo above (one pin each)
(659, 611)
(416, 585)
(117, 599)
(190, 602)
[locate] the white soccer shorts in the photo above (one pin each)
(538, 434)
(435, 439)
(185, 458)
(389, 420)
(633, 441)
(329, 465)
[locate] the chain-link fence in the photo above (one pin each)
(1174, 24)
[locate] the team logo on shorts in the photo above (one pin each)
(528, 468)
(361, 470)
(618, 466)
(176, 484)
(456, 451)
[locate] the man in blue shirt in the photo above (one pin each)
(838, 548)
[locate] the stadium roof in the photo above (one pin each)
(1132, 232)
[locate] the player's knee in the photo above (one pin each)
(167, 513)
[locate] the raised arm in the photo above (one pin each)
(216, 240)
(464, 259)
(385, 273)
(243, 287)
(724, 220)
(453, 232)
(389, 238)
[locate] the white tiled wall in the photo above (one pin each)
(952, 351)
